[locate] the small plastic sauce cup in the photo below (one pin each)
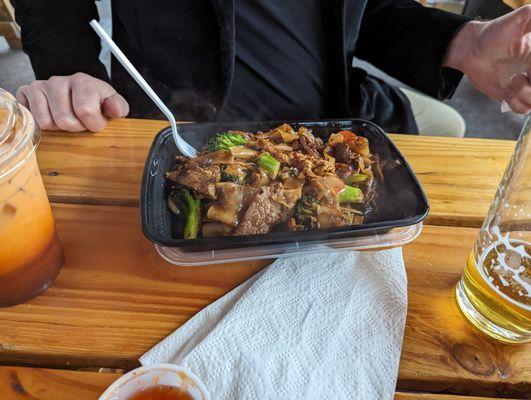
(154, 375)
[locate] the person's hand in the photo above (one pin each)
(72, 103)
(496, 56)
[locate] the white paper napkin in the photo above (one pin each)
(504, 107)
(318, 326)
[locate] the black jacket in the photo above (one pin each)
(185, 49)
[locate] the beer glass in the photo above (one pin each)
(494, 292)
(30, 254)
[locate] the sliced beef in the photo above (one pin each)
(344, 154)
(344, 170)
(310, 144)
(271, 206)
(249, 193)
(201, 179)
(261, 216)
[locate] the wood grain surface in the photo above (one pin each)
(459, 175)
(52, 384)
(115, 298)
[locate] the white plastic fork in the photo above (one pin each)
(181, 144)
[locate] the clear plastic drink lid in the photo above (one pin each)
(393, 238)
(18, 134)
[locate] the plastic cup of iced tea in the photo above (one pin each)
(30, 253)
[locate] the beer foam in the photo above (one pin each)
(506, 248)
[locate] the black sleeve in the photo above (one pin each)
(57, 37)
(408, 41)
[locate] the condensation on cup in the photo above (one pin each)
(30, 253)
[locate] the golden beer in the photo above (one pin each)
(495, 291)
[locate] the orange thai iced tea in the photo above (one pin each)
(30, 253)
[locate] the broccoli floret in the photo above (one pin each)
(306, 212)
(224, 141)
(232, 178)
(187, 208)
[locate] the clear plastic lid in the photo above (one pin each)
(19, 136)
(392, 238)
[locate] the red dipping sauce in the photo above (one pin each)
(161, 392)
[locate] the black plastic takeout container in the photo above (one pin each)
(400, 201)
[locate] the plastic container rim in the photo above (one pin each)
(155, 237)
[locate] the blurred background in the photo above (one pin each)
(482, 115)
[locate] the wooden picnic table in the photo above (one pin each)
(115, 297)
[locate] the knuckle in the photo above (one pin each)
(44, 122)
(36, 84)
(54, 80)
(34, 90)
(47, 85)
(77, 79)
(22, 90)
(85, 110)
(79, 75)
